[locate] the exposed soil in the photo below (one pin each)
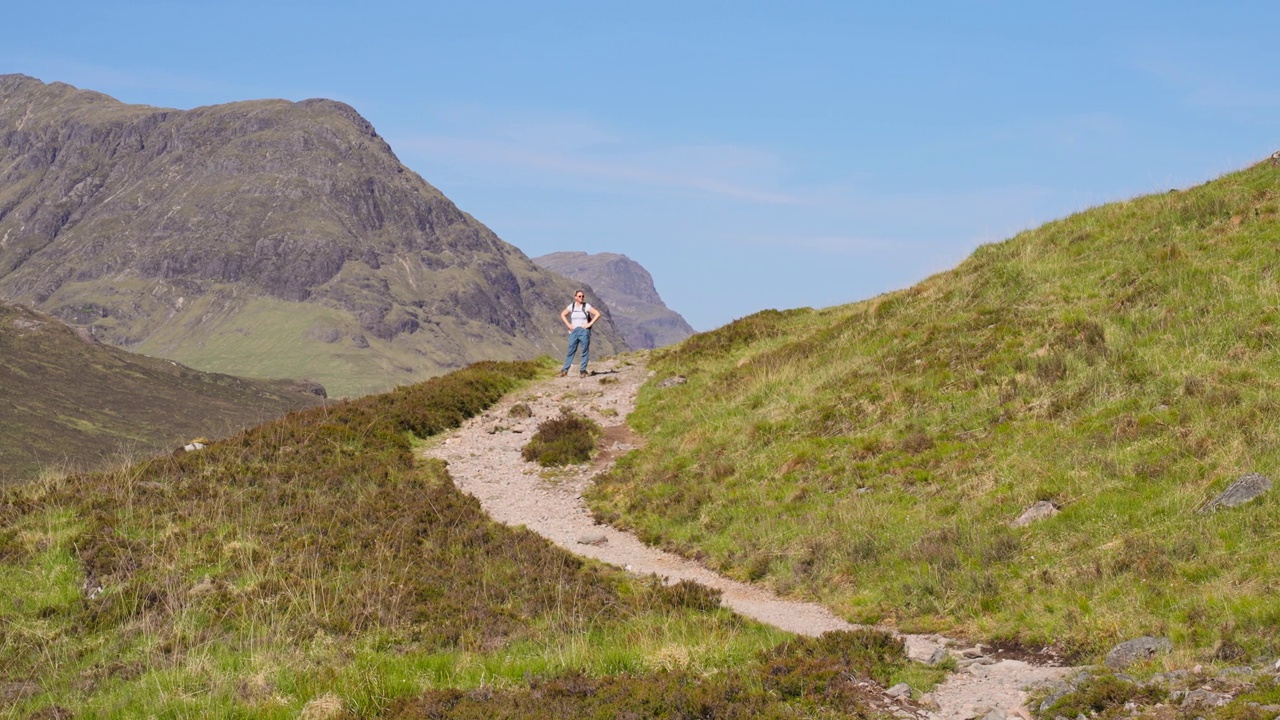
(484, 460)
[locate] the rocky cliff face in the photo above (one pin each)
(645, 321)
(191, 234)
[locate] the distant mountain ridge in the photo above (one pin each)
(265, 238)
(645, 321)
(68, 402)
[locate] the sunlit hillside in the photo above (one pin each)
(310, 567)
(1119, 363)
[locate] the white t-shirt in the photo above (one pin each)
(579, 315)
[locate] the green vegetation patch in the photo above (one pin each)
(565, 440)
(836, 675)
(1118, 364)
(308, 557)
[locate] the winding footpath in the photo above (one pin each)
(484, 460)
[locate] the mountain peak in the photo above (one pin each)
(184, 233)
(645, 321)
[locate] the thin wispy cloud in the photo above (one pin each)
(1203, 88)
(577, 152)
(826, 244)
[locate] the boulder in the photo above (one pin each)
(1137, 650)
(1248, 487)
(1039, 511)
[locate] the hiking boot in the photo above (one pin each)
(562, 373)
(583, 373)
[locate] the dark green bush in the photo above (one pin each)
(565, 440)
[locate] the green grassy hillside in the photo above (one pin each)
(309, 567)
(1120, 362)
(70, 403)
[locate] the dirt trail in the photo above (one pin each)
(484, 460)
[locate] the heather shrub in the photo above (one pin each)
(564, 440)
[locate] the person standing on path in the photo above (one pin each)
(579, 316)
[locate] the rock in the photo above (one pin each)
(928, 702)
(995, 714)
(901, 690)
(673, 381)
(1039, 511)
(1137, 650)
(1053, 697)
(939, 655)
(593, 539)
(1248, 487)
(204, 587)
(1205, 699)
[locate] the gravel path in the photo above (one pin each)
(484, 460)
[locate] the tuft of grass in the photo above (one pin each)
(565, 440)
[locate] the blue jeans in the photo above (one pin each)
(579, 336)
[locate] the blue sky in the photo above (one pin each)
(750, 155)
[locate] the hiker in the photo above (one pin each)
(578, 317)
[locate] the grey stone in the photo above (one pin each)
(204, 587)
(1137, 650)
(673, 381)
(939, 655)
(1053, 698)
(593, 539)
(901, 690)
(1241, 491)
(1039, 511)
(1205, 699)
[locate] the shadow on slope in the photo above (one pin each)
(68, 403)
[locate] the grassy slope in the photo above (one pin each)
(309, 565)
(1119, 362)
(68, 402)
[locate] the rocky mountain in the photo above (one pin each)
(68, 402)
(264, 238)
(622, 283)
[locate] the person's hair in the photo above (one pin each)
(576, 293)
